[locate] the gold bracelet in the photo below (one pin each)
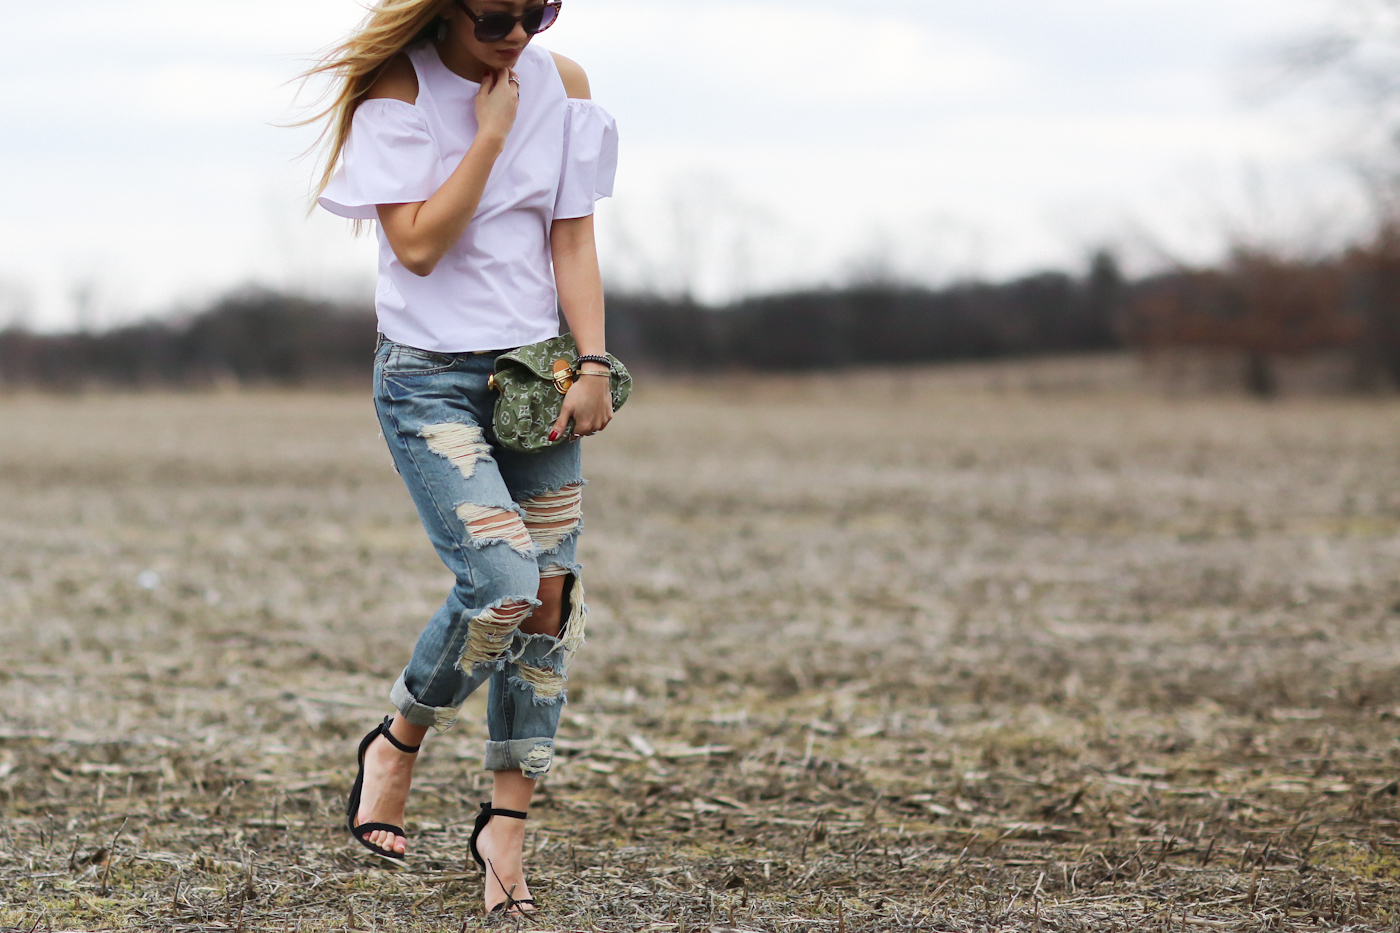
(593, 372)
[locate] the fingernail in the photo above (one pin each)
(554, 435)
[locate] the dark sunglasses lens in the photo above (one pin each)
(493, 27)
(539, 19)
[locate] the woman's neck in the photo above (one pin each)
(459, 61)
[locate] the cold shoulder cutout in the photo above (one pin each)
(397, 81)
(574, 77)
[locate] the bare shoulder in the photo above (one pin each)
(575, 80)
(398, 81)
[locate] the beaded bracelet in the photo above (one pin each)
(596, 358)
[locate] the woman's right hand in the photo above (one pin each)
(421, 232)
(496, 103)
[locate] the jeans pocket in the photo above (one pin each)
(401, 360)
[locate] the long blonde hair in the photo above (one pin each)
(392, 25)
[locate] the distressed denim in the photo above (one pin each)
(500, 521)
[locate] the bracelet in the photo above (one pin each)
(595, 358)
(593, 373)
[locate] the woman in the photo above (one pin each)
(481, 157)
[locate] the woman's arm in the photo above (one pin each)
(422, 232)
(589, 403)
(579, 282)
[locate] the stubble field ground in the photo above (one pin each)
(985, 648)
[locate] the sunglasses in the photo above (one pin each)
(493, 27)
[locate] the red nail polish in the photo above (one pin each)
(554, 435)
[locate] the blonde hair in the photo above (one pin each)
(392, 26)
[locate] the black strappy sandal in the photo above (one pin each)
(482, 818)
(352, 808)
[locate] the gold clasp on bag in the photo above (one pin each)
(492, 384)
(563, 376)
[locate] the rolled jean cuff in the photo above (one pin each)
(531, 757)
(439, 718)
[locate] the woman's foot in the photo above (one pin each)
(501, 844)
(388, 775)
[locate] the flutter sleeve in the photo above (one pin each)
(389, 158)
(590, 159)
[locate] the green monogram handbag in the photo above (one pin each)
(531, 383)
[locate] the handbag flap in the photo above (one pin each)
(539, 358)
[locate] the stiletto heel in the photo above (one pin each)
(352, 808)
(482, 818)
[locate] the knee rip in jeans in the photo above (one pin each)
(490, 633)
(546, 685)
(553, 516)
(546, 682)
(461, 444)
(488, 524)
(571, 639)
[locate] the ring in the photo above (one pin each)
(514, 80)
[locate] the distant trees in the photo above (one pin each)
(877, 324)
(1256, 305)
(258, 336)
(1259, 308)
(250, 336)
(1376, 290)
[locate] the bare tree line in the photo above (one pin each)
(1257, 308)
(259, 336)
(251, 336)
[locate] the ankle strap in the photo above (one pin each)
(489, 810)
(384, 731)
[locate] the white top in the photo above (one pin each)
(495, 287)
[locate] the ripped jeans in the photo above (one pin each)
(501, 521)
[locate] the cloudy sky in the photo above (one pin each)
(766, 143)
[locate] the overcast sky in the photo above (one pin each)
(766, 143)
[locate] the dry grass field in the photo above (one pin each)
(931, 650)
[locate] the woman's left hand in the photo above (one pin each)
(588, 404)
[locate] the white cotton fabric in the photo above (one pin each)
(590, 161)
(495, 287)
